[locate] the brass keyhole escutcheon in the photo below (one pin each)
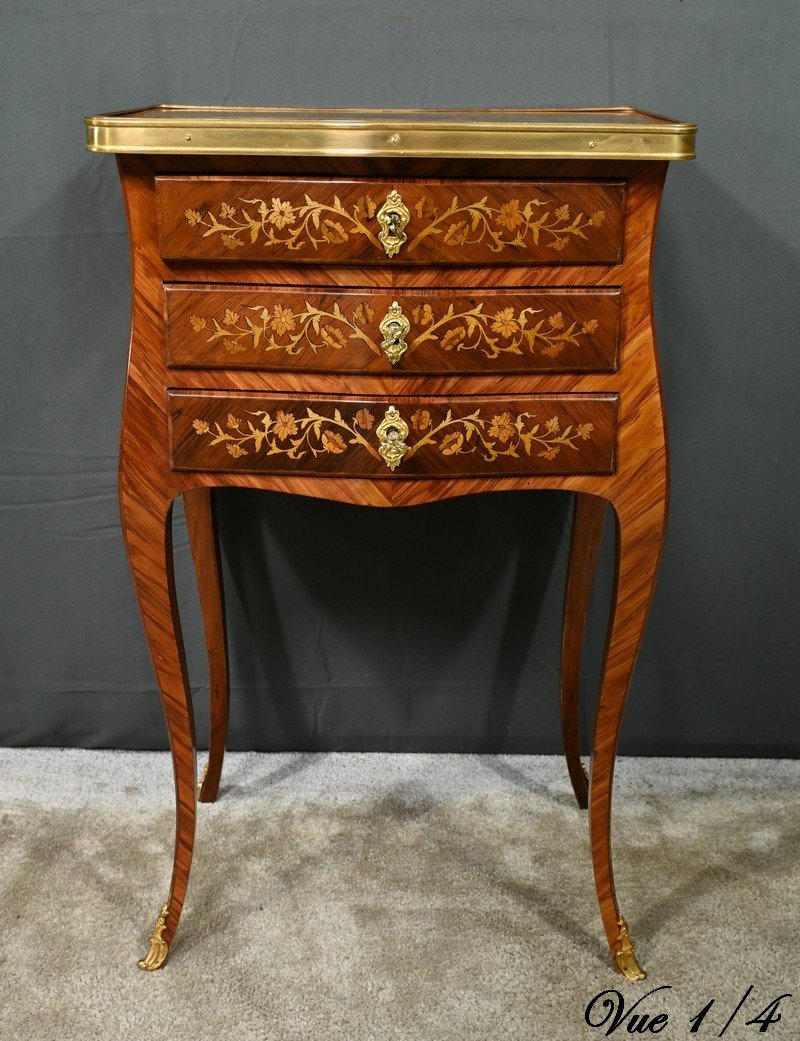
(393, 217)
(394, 328)
(392, 432)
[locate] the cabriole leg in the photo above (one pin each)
(587, 530)
(203, 539)
(147, 527)
(641, 518)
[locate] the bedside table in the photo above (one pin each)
(389, 308)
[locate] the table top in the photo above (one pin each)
(598, 133)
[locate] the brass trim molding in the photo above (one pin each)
(612, 133)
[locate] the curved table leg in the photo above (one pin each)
(147, 528)
(201, 523)
(587, 530)
(641, 519)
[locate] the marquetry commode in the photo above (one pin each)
(390, 308)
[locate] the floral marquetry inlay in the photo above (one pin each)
(492, 331)
(292, 433)
(512, 223)
(505, 330)
(286, 433)
(278, 221)
(288, 329)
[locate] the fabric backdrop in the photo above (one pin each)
(435, 627)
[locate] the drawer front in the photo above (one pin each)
(358, 222)
(441, 331)
(401, 437)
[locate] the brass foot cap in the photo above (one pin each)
(202, 794)
(159, 948)
(625, 954)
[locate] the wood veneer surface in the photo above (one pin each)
(636, 485)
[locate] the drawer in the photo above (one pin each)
(402, 222)
(405, 331)
(401, 437)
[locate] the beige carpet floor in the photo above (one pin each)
(382, 897)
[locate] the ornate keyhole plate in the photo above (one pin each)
(393, 216)
(391, 433)
(394, 328)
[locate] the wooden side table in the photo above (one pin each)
(389, 308)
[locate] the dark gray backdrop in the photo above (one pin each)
(435, 627)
